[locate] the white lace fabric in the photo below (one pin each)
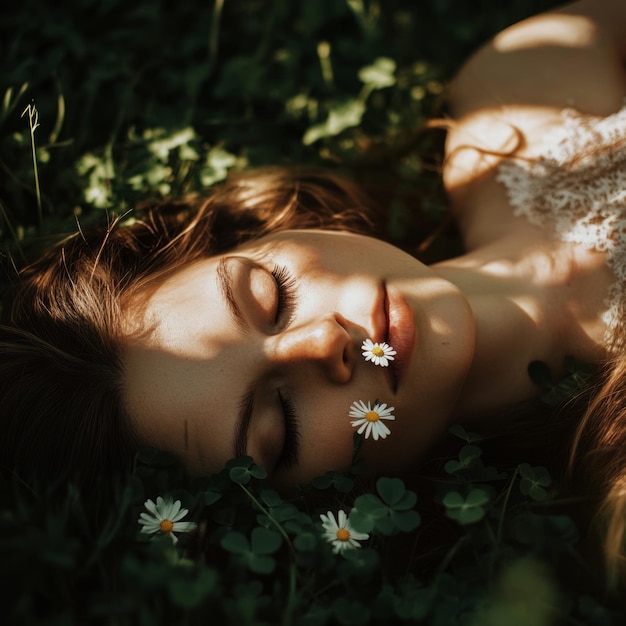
(577, 187)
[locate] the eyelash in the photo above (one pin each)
(285, 283)
(289, 454)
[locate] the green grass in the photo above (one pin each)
(147, 99)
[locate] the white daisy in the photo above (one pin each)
(378, 353)
(370, 419)
(165, 518)
(340, 533)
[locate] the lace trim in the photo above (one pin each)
(578, 188)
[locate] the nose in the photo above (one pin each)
(324, 341)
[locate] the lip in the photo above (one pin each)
(400, 332)
(380, 332)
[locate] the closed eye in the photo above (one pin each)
(291, 441)
(287, 297)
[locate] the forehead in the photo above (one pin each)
(175, 356)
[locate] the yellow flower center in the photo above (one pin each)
(377, 351)
(371, 416)
(166, 526)
(343, 534)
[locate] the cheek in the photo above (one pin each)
(325, 441)
(330, 435)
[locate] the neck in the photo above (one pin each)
(528, 305)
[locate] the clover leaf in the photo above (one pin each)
(255, 552)
(468, 509)
(458, 431)
(242, 469)
(468, 455)
(390, 513)
(534, 481)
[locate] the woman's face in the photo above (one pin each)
(258, 351)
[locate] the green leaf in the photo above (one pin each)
(242, 474)
(408, 501)
(453, 466)
(261, 564)
(190, 593)
(364, 561)
(385, 526)
(210, 497)
(406, 521)
(468, 454)
(239, 475)
(258, 472)
(216, 166)
(458, 431)
(285, 512)
(340, 482)
(371, 505)
(306, 542)
(477, 497)
(380, 74)
(368, 510)
(271, 497)
(391, 490)
(235, 542)
(342, 116)
(466, 510)
(533, 481)
(265, 541)
(343, 483)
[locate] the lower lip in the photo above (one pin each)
(401, 331)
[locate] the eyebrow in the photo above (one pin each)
(244, 416)
(225, 285)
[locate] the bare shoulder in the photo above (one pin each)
(511, 95)
(555, 59)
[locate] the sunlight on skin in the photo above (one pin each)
(546, 30)
(187, 377)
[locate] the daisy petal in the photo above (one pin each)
(151, 506)
(174, 509)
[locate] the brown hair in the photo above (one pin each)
(597, 467)
(60, 372)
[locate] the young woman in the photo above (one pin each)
(239, 323)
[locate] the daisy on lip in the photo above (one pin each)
(380, 353)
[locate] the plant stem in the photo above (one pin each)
(291, 599)
(281, 530)
(33, 124)
(504, 506)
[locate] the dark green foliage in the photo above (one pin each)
(151, 98)
(259, 558)
(573, 381)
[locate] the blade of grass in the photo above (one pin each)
(33, 124)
